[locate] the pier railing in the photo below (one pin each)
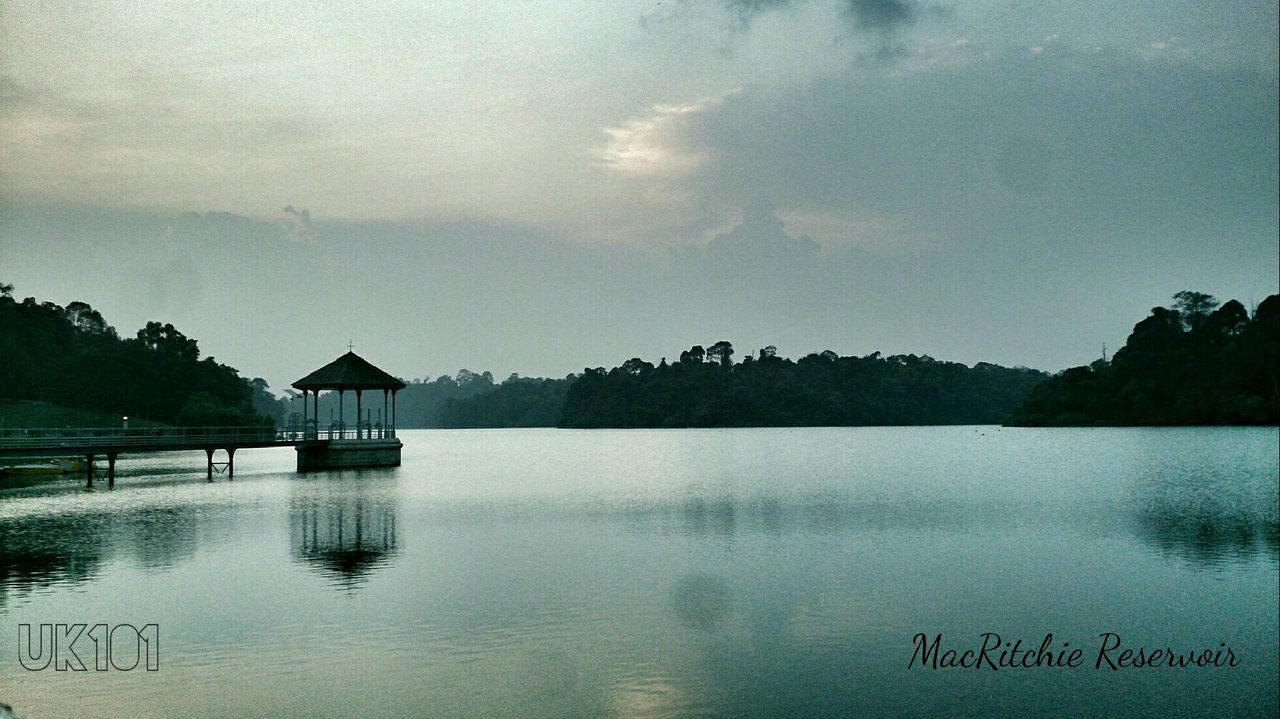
(43, 437)
(141, 436)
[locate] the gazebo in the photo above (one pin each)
(365, 445)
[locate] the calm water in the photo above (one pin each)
(724, 573)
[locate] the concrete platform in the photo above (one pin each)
(349, 454)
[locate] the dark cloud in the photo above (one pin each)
(761, 238)
(882, 15)
(1110, 140)
(744, 11)
(871, 15)
(754, 7)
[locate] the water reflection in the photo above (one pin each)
(344, 527)
(1208, 515)
(1208, 536)
(701, 602)
(777, 514)
(44, 550)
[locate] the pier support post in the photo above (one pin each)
(111, 469)
(231, 462)
(88, 470)
(209, 466)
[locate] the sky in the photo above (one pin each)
(538, 187)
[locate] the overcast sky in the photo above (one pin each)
(536, 187)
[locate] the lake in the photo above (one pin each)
(681, 573)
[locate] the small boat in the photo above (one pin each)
(32, 472)
(29, 470)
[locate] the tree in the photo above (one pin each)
(72, 357)
(694, 354)
(635, 365)
(166, 339)
(1194, 307)
(1229, 320)
(721, 353)
(1183, 366)
(88, 320)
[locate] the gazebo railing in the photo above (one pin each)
(340, 430)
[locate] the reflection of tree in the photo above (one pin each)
(41, 551)
(344, 534)
(710, 517)
(44, 550)
(161, 537)
(701, 601)
(1208, 535)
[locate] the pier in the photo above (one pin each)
(336, 446)
(91, 443)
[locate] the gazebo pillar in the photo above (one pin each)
(393, 413)
(359, 417)
(385, 415)
(342, 416)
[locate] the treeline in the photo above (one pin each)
(704, 388)
(517, 402)
(70, 356)
(1193, 363)
(466, 400)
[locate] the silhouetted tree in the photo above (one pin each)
(1188, 365)
(1194, 307)
(72, 357)
(721, 353)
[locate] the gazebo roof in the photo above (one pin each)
(350, 371)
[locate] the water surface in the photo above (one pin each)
(719, 573)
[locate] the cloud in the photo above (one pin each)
(881, 15)
(869, 15)
(152, 148)
(762, 238)
(1065, 143)
(656, 143)
(747, 10)
(878, 25)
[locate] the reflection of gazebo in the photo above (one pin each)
(366, 445)
(344, 536)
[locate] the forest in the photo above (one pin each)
(1196, 362)
(705, 388)
(70, 357)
